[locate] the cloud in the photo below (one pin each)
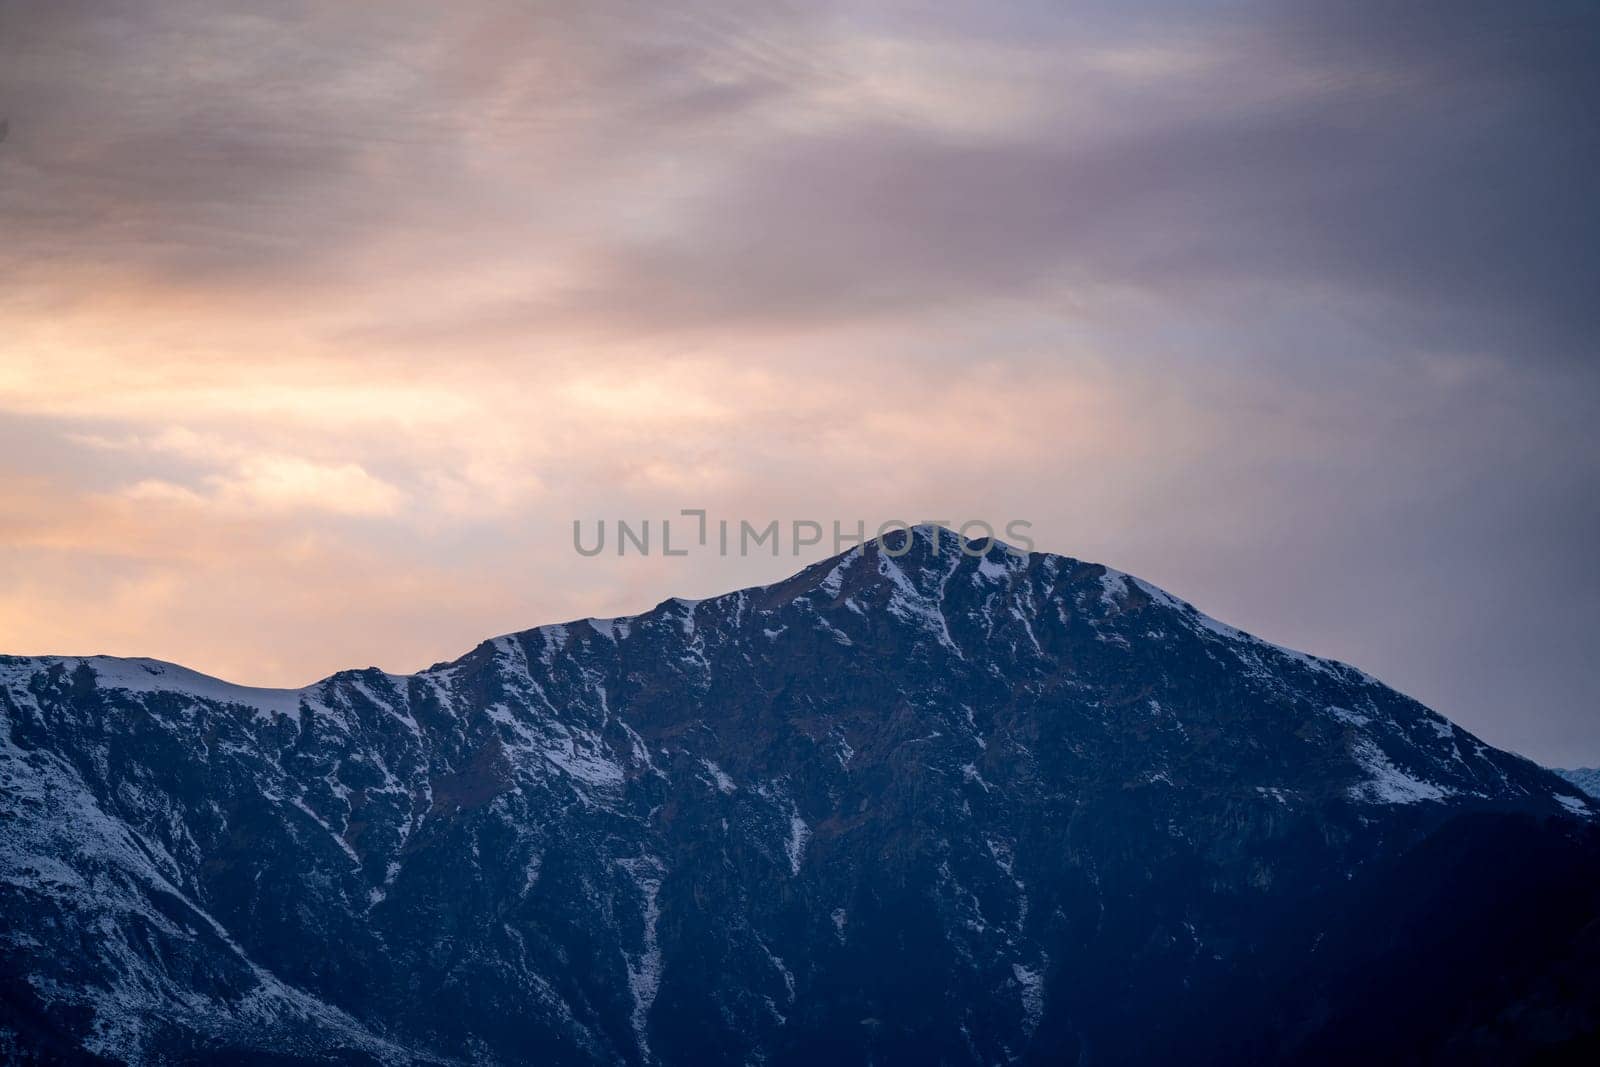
(1287, 306)
(1435, 181)
(620, 170)
(289, 483)
(250, 480)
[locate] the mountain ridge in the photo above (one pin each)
(130, 672)
(918, 789)
(947, 539)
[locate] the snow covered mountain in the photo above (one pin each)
(1585, 778)
(917, 809)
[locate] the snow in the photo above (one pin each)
(838, 635)
(687, 623)
(1206, 624)
(782, 969)
(644, 966)
(991, 570)
(795, 847)
(555, 639)
(1348, 717)
(139, 675)
(911, 604)
(1443, 727)
(1031, 981)
(1027, 628)
(1389, 784)
(111, 883)
(723, 783)
(581, 754)
(610, 629)
(833, 582)
(1585, 778)
(1574, 805)
(585, 763)
(330, 831)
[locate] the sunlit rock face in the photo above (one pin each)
(913, 805)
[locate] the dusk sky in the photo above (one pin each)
(321, 322)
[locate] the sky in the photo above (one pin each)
(320, 322)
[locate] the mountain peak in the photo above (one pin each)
(707, 833)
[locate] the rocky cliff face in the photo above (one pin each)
(924, 808)
(1585, 778)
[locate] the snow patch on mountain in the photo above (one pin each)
(1388, 784)
(644, 962)
(719, 778)
(1585, 778)
(795, 846)
(1574, 805)
(142, 675)
(1030, 983)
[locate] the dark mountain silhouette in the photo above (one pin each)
(894, 810)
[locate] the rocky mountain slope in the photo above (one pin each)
(923, 808)
(1585, 778)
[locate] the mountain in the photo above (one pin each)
(1585, 778)
(906, 807)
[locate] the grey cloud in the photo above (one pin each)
(1430, 159)
(147, 135)
(203, 144)
(1437, 166)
